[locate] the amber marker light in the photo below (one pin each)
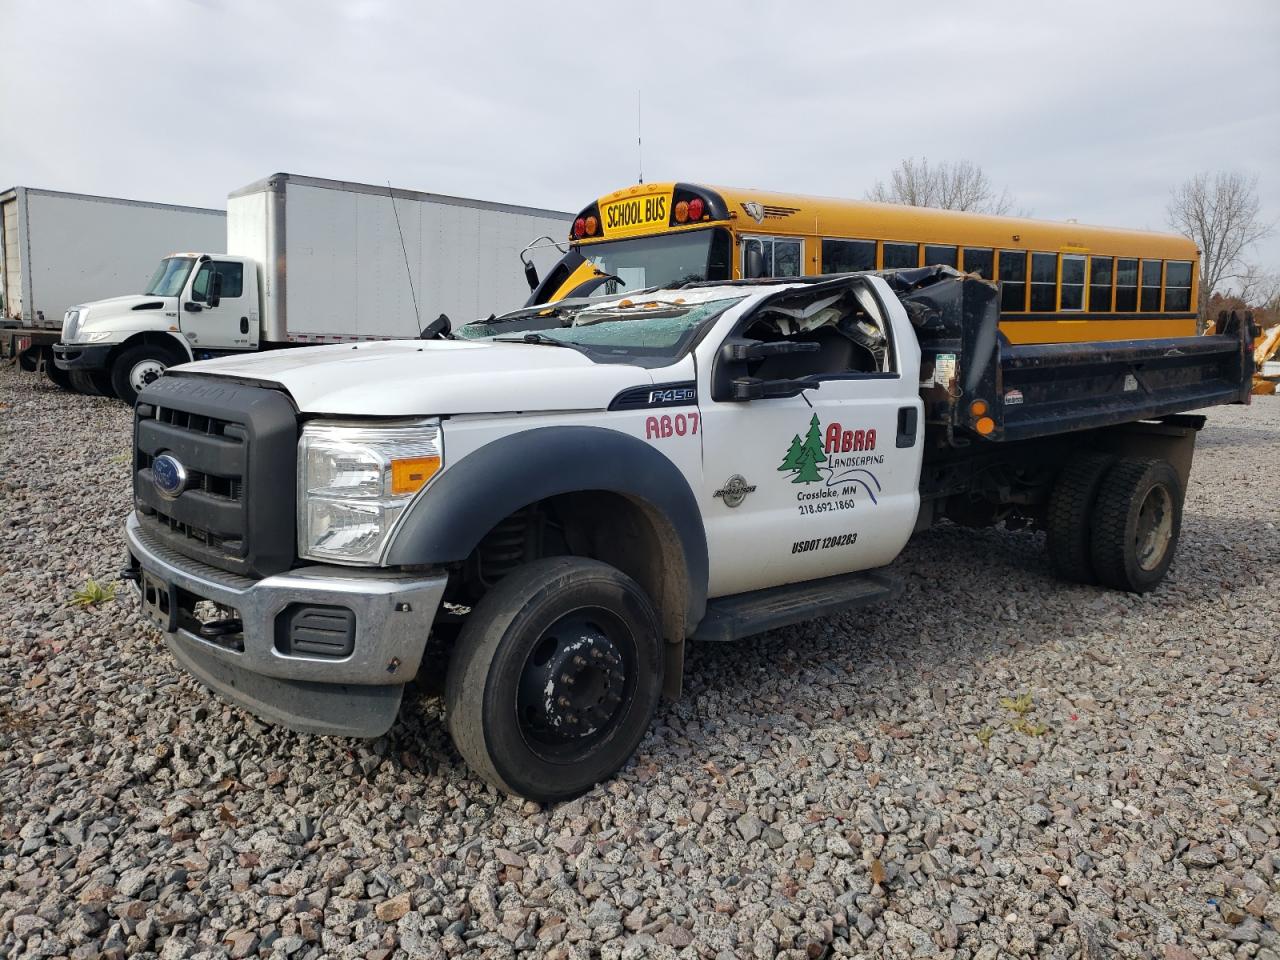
(985, 425)
(410, 474)
(977, 408)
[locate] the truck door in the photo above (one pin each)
(817, 484)
(228, 321)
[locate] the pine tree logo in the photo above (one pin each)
(803, 457)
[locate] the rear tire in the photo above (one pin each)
(555, 678)
(1136, 524)
(1070, 519)
(138, 366)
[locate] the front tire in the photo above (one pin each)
(138, 366)
(83, 381)
(555, 678)
(1136, 524)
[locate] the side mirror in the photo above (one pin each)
(215, 289)
(437, 329)
(753, 262)
(531, 274)
(728, 386)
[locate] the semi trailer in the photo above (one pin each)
(542, 509)
(58, 249)
(310, 261)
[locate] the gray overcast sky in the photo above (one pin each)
(1092, 110)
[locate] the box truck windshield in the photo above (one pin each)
(170, 277)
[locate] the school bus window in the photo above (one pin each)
(1150, 286)
(1072, 295)
(846, 256)
(979, 261)
(1177, 286)
(1126, 285)
(1100, 284)
(900, 255)
(1044, 282)
(1013, 281)
(935, 255)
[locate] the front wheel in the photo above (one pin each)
(138, 366)
(555, 678)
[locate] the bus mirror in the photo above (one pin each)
(753, 262)
(531, 274)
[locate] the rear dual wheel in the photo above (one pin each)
(1115, 521)
(555, 678)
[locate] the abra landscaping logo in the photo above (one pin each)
(824, 447)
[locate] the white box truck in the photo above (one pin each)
(312, 261)
(60, 249)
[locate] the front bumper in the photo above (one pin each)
(355, 696)
(81, 356)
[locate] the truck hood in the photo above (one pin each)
(402, 378)
(114, 306)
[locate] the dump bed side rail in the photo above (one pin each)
(1046, 389)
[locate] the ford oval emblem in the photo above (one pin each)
(169, 476)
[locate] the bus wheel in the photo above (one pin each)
(1136, 524)
(1070, 515)
(555, 678)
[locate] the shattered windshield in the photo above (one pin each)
(650, 331)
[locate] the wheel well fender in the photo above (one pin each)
(156, 338)
(471, 497)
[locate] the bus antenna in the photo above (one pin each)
(417, 314)
(639, 144)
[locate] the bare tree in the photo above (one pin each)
(1223, 215)
(949, 186)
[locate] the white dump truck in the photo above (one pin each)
(60, 249)
(310, 261)
(546, 508)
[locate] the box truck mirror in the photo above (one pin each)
(215, 289)
(437, 329)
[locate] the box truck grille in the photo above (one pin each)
(236, 445)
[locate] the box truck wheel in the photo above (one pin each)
(1071, 515)
(137, 366)
(555, 678)
(1136, 524)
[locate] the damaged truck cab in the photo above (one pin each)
(543, 509)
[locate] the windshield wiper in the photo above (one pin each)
(534, 337)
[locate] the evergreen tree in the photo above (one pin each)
(804, 456)
(792, 460)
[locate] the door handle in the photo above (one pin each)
(244, 324)
(907, 422)
(192, 307)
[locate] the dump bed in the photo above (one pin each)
(978, 387)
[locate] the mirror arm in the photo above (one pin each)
(753, 388)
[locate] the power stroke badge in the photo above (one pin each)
(735, 490)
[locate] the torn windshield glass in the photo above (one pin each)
(630, 331)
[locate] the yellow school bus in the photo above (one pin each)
(1059, 282)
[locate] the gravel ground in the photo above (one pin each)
(998, 765)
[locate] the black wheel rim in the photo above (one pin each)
(577, 684)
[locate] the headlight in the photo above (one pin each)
(354, 482)
(93, 336)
